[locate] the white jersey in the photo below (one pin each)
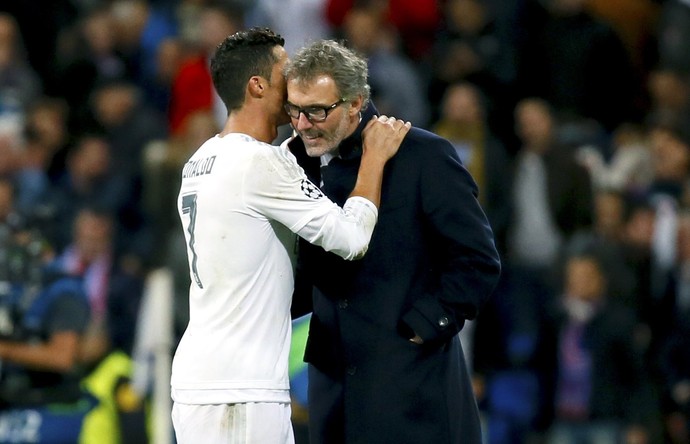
(241, 203)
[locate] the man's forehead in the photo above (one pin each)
(319, 89)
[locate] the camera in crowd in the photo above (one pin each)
(21, 275)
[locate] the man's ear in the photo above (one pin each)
(256, 86)
(356, 107)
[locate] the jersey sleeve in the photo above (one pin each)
(278, 188)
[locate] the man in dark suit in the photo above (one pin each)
(385, 360)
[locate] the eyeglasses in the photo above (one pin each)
(312, 113)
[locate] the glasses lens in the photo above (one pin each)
(316, 114)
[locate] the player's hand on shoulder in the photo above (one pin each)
(383, 135)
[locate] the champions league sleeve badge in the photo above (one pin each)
(310, 190)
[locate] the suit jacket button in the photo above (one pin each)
(443, 322)
(351, 370)
(343, 303)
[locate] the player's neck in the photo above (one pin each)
(255, 125)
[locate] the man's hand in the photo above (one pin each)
(382, 137)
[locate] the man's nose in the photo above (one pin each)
(303, 122)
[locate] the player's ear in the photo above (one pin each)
(256, 86)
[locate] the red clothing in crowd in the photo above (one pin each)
(192, 91)
(415, 20)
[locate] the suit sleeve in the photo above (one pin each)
(466, 264)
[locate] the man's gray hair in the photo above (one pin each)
(328, 57)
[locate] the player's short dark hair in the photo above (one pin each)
(240, 56)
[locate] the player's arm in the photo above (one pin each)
(64, 322)
(57, 354)
(284, 193)
(381, 139)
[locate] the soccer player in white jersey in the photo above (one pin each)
(242, 203)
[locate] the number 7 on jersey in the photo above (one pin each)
(189, 207)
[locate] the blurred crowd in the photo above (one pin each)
(573, 116)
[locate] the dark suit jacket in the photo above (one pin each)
(431, 265)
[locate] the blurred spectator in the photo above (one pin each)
(669, 91)
(19, 83)
(114, 293)
(674, 355)
(113, 290)
(47, 394)
(673, 35)
(10, 154)
(297, 29)
(10, 157)
(469, 47)
(140, 27)
(551, 200)
(48, 135)
(635, 21)
(396, 86)
(87, 55)
(670, 139)
(44, 317)
(24, 167)
(192, 88)
(129, 124)
(669, 135)
(46, 139)
(187, 14)
(40, 32)
(679, 305)
(170, 55)
(675, 362)
(10, 219)
(628, 168)
(579, 64)
(89, 180)
(90, 255)
(637, 236)
(416, 21)
(609, 215)
(6, 201)
(552, 192)
(33, 182)
(464, 122)
(606, 239)
(600, 390)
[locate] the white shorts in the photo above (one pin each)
(244, 423)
